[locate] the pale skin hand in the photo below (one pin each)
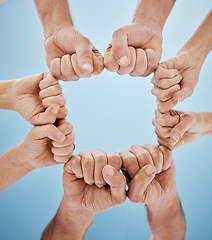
(136, 48)
(188, 62)
(176, 128)
(157, 191)
(23, 95)
(82, 201)
(36, 152)
(69, 54)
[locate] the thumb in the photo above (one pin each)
(47, 117)
(140, 183)
(47, 131)
(117, 183)
(120, 47)
(85, 56)
(180, 129)
(182, 94)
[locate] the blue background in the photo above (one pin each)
(109, 112)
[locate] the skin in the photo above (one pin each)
(82, 201)
(22, 95)
(188, 64)
(44, 146)
(136, 49)
(157, 191)
(69, 54)
(176, 128)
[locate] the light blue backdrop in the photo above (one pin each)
(108, 112)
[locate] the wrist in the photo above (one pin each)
(207, 123)
(6, 95)
(70, 221)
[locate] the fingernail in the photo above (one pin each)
(149, 169)
(55, 109)
(123, 60)
(176, 137)
(110, 171)
(88, 67)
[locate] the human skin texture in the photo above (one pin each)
(187, 63)
(136, 49)
(44, 146)
(69, 54)
(156, 190)
(22, 95)
(176, 128)
(85, 193)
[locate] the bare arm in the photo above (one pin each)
(68, 224)
(6, 95)
(154, 10)
(166, 219)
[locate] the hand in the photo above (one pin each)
(135, 49)
(70, 55)
(188, 65)
(29, 105)
(49, 145)
(93, 167)
(176, 128)
(141, 163)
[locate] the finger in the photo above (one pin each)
(50, 91)
(163, 132)
(75, 166)
(110, 62)
(48, 81)
(129, 68)
(69, 140)
(63, 151)
(120, 47)
(141, 63)
(47, 131)
(167, 158)
(166, 142)
(98, 64)
(47, 117)
(63, 112)
(84, 56)
(143, 156)
(165, 106)
(79, 72)
(181, 95)
(165, 94)
(100, 160)
(56, 68)
(114, 160)
(162, 72)
(65, 126)
(152, 62)
(117, 183)
(88, 166)
(157, 156)
(181, 128)
(67, 69)
(166, 83)
(130, 162)
(59, 99)
(62, 159)
(168, 119)
(140, 182)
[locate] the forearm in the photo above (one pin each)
(207, 123)
(12, 167)
(54, 14)
(154, 11)
(6, 96)
(166, 219)
(68, 224)
(200, 44)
